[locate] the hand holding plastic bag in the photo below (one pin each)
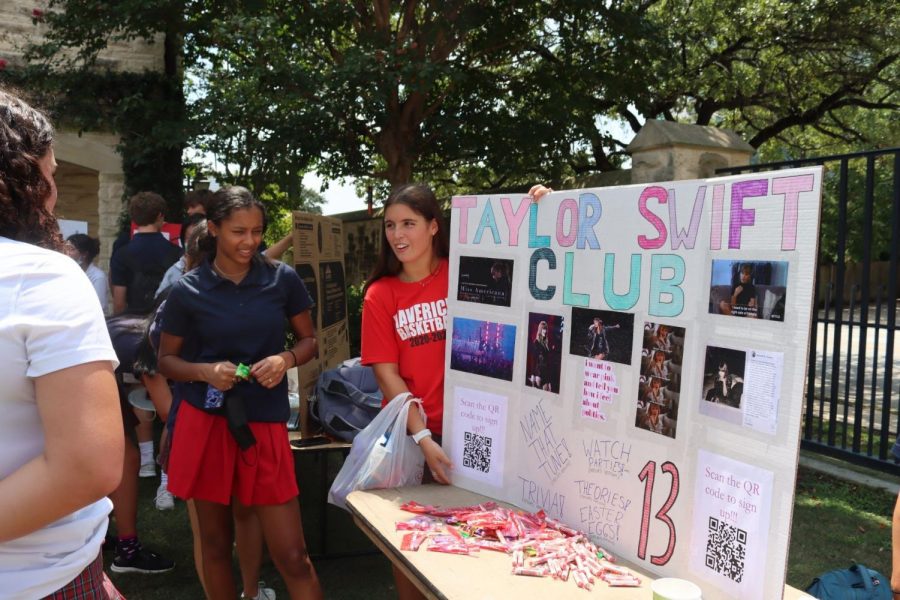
(383, 455)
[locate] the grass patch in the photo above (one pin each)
(835, 524)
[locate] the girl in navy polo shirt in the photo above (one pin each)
(232, 310)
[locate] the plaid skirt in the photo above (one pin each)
(91, 584)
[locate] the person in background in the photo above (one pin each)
(137, 268)
(232, 310)
(177, 269)
(196, 202)
(61, 441)
(84, 249)
(131, 556)
(412, 272)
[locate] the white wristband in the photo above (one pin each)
(418, 437)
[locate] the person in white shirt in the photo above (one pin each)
(61, 434)
(83, 249)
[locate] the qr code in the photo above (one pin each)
(726, 549)
(477, 452)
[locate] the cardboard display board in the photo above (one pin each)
(631, 360)
(319, 260)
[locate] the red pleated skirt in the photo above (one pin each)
(205, 462)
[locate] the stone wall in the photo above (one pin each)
(667, 151)
(89, 176)
(18, 29)
(79, 189)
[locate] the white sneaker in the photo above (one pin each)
(164, 498)
(147, 470)
(262, 592)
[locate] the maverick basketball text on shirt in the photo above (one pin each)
(423, 322)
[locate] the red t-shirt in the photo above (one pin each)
(406, 324)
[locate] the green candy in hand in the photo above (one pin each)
(242, 371)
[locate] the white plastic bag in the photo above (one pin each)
(383, 455)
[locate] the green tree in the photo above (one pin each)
(147, 110)
(495, 94)
(768, 69)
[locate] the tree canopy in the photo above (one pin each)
(496, 94)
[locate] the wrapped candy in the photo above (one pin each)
(549, 548)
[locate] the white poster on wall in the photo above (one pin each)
(636, 335)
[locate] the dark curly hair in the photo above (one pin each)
(25, 138)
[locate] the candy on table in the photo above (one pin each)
(413, 540)
(420, 523)
(552, 548)
(530, 571)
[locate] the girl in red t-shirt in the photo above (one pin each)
(404, 314)
(404, 319)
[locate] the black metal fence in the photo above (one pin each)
(851, 401)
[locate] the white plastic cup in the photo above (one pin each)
(672, 588)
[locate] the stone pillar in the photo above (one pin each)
(667, 151)
(109, 200)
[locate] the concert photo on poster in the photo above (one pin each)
(659, 386)
(544, 354)
(485, 280)
(602, 335)
(483, 348)
(752, 289)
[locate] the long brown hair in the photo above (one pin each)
(421, 199)
(25, 138)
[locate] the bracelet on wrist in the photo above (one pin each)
(421, 435)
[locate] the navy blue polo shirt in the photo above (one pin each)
(153, 252)
(220, 320)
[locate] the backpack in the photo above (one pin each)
(854, 583)
(346, 400)
(146, 278)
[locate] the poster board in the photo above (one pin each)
(318, 244)
(594, 370)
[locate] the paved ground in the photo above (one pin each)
(848, 472)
